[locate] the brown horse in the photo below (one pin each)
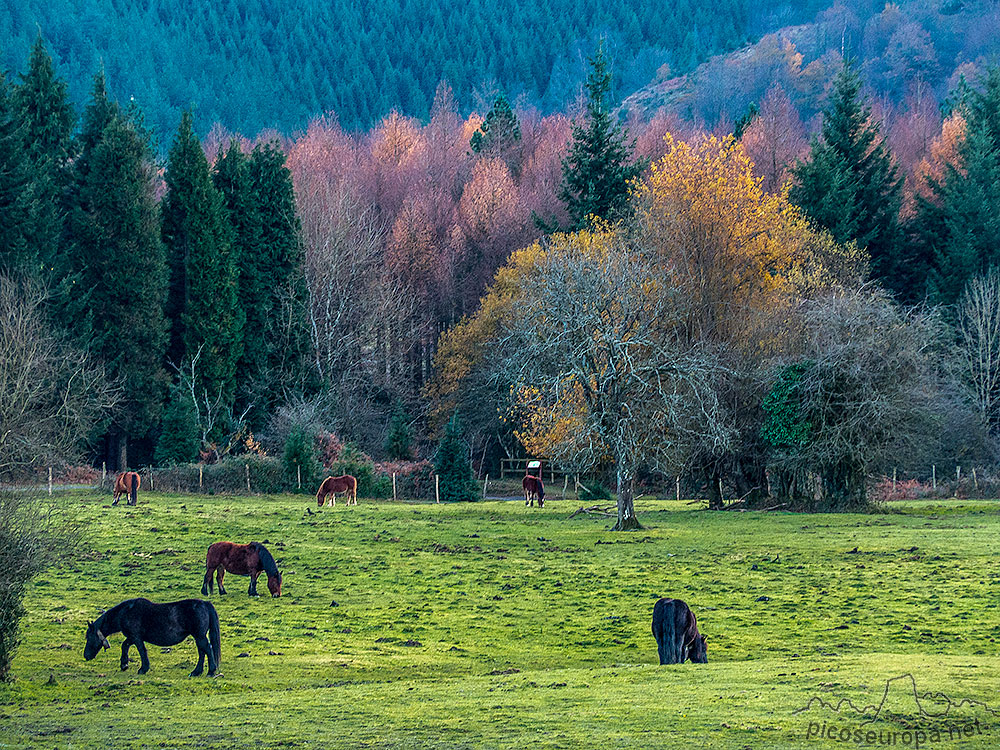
(127, 484)
(332, 485)
(533, 490)
(242, 560)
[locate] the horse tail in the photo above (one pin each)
(541, 490)
(135, 486)
(214, 637)
(266, 561)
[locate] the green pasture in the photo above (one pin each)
(493, 625)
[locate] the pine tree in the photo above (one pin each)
(260, 202)
(16, 255)
(206, 320)
(599, 167)
(42, 107)
(179, 442)
(300, 458)
(850, 185)
(451, 463)
(121, 262)
(957, 231)
(499, 131)
(397, 442)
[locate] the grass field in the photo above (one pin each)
(492, 625)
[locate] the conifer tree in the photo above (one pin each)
(42, 107)
(121, 262)
(206, 320)
(850, 185)
(178, 442)
(499, 131)
(397, 442)
(16, 255)
(451, 463)
(599, 167)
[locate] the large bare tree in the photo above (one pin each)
(979, 345)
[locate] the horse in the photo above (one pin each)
(533, 489)
(332, 485)
(242, 560)
(127, 483)
(141, 621)
(676, 631)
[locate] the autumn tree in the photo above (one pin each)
(849, 184)
(774, 139)
(599, 167)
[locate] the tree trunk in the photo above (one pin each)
(714, 489)
(627, 520)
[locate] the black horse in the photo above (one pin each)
(676, 631)
(142, 621)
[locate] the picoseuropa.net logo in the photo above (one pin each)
(929, 718)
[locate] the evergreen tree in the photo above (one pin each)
(43, 109)
(849, 185)
(499, 131)
(260, 202)
(599, 167)
(179, 442)
(300, 458)
(16, 255)
(397, 442)
(957, 232)
(206, 320)
(120, 261)
(451, 463)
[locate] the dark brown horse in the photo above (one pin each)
(332, 485)
(242, 560)
(676, 631)
(533, 490)
(127, 484)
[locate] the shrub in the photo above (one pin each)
(453, 467)
(358, 464)
(300, 456)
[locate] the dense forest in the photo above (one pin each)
(257, 65)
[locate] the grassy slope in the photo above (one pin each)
(433, 599)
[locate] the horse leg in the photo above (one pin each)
(141, 648)
(114, 498)
(220, 573)
(206, 587)
(253, 582)
(204, 647)
(125, 647)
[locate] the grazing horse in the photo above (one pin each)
(332, 485)
(141, 621)
(676, 631)
(127, 483)
(242, 560)
(533, 490)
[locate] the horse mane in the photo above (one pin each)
(266, 561)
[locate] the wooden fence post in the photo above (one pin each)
(247, 469)
(677, 488)
(394, 486)
(50, 480)
(201, 481)
(934, 476)
(104, 471)
(958, 473)
(565, 485)
(486, 483)
(437, 488)
(298, 474)
(893, 480)
(149, 470)
(974, 480)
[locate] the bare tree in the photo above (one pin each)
(600, 369)
(51, 394)
(979, 343)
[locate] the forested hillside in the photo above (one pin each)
(253, 64)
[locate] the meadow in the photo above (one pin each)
(493, 625)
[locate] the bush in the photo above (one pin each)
(452, 465)
(352, 460)
(595, 491)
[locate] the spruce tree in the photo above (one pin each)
(16, 254)
(957, 231)
(849, 184)
(397, 442)
(178, 442)
(599, 167)
(121, 263)
(300, 459)
(206, 320)
(42, 107)
(451, 463)
(499, 131)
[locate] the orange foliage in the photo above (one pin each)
(944, 150)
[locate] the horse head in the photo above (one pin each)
(274, 584)
(698, 650)
(95, 641)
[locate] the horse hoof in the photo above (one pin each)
(143, 671)
(195, 673)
